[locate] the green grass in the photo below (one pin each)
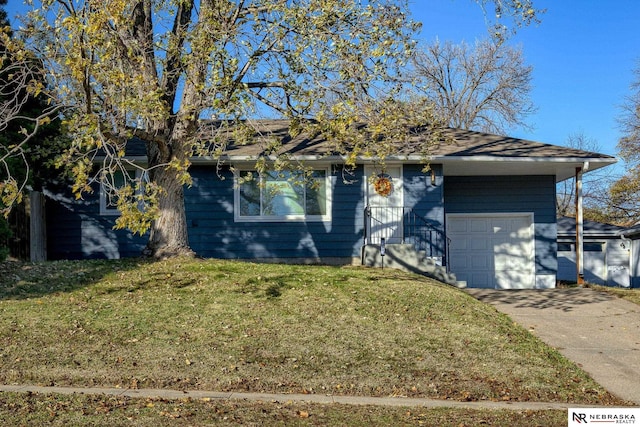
(632, 295)
(232, 326)
(81, 410)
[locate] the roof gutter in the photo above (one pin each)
(414, 158)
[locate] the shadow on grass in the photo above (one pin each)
(22, 280)
(151, 280)
(269, 287)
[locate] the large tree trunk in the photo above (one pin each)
(169, 232)
(169, 235)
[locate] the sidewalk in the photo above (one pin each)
(597, 331)
(306, 398)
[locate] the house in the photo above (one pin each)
(606, 253)
(485, 211)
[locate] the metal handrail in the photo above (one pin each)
(410, 228)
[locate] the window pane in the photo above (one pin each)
(283, 195)
(118, 183)
(118, 179)
(592, 247)
(250, 196)
(316, 201)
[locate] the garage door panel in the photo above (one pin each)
(480, 261)
(503, 261)
(513, 280)
(481, 280)
(459, 262)
(517, 250)
(478, 226)
(500, 226)
(594, 267)
(493, 251)
(457, 225)
(459, 245)
(478, 243)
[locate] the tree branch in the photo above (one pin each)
(173, 68)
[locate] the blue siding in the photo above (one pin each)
(537, 194)
(213, 233)
(76, 230)
(426, 200)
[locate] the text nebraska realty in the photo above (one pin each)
(580, 418)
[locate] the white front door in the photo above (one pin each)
(492, 250)
(385, 219)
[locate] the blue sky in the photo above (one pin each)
(583, 54)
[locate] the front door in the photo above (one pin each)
(385, 205)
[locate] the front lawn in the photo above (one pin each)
(235, 326)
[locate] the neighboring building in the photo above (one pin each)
(606, 253)
(485, 211)
(632, 236)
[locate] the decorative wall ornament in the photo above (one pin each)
(383, 185)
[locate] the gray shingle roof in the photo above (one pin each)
(456, 143)
(567, 227)
(461, 152)
(469, 143)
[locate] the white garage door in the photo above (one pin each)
(492, 250)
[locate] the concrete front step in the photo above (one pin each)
(407, 258)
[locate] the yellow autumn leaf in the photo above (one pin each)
(303, 414)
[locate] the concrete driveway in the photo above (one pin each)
(599, 332)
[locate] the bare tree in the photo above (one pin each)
(629, 121)
(485, 87)
(624, 193)
(595, 186)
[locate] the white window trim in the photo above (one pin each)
(329, 179)
(105, 210)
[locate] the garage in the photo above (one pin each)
(605, 250)
(492, 250)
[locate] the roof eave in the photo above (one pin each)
(561, 167)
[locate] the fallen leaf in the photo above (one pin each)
(303, 414)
